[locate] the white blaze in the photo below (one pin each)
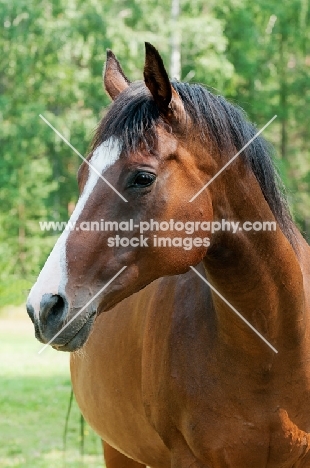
(53, 276)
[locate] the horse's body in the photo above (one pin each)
(170, 395)
(169, 376)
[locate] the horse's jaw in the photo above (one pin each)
(79, 339)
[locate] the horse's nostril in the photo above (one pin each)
(30, 311)
(52, 308)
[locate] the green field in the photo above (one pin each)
(34, 397)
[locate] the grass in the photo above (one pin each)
(34, 397)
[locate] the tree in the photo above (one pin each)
(269, 47)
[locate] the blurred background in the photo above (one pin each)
(256, 54)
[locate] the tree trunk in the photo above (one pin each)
(175, 61)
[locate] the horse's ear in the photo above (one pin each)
(157, 80)
(113, 76)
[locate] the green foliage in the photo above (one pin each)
(257, 54)
(269, 47)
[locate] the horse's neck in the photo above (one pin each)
(260, 275)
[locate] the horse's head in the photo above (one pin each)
(147, 148)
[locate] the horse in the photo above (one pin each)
(162, 368)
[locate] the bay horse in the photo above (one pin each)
(161, 367)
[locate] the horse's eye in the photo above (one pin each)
(143, 179)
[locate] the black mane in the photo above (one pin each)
(133, 118)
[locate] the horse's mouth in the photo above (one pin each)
(79, 338)
(76, 340)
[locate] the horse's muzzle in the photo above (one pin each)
(52, 323)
